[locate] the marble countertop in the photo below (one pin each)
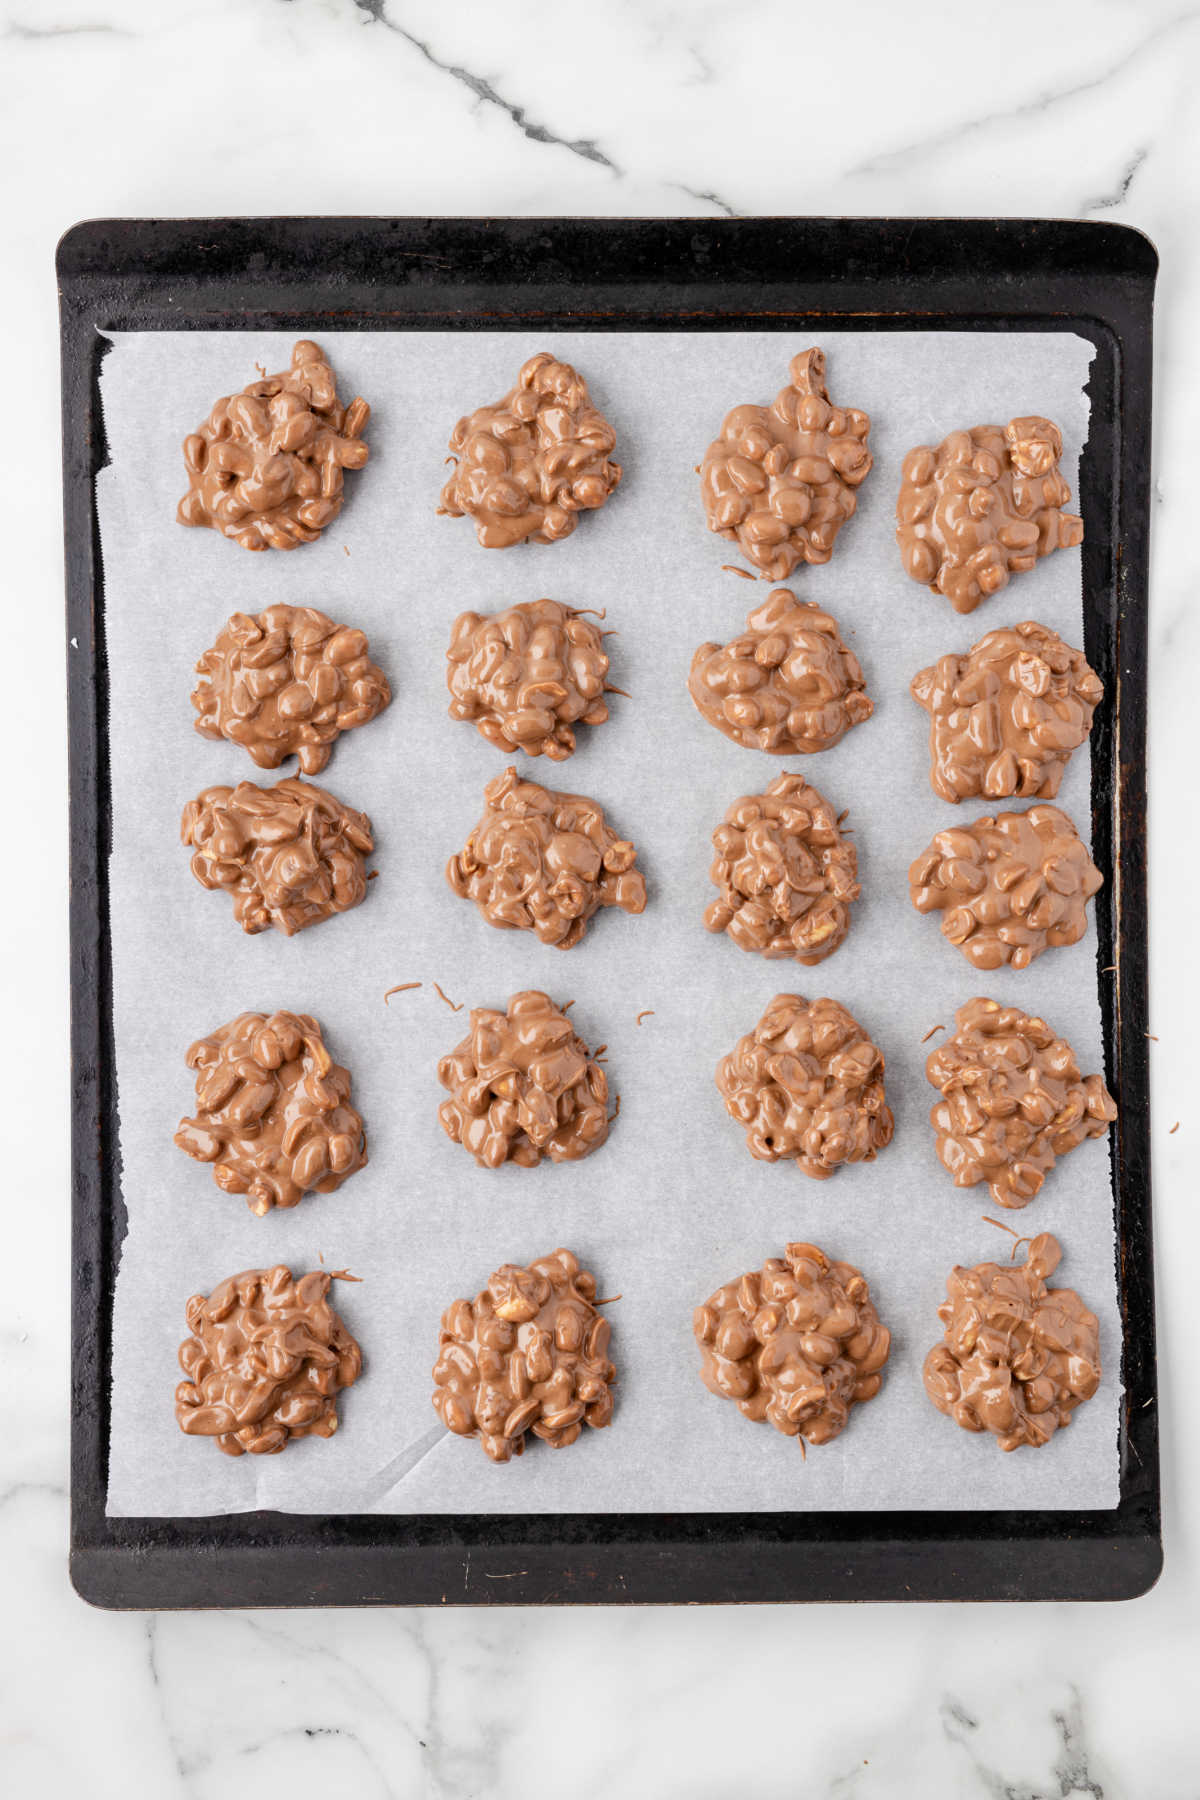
(137, 107)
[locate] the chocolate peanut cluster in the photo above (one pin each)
(1004, 718)
(274, 1113)
(797, 1343)
(266, 1360)
(266, 467)
(526, 676)
(287, 683)
(529, 465)
(807, 1084)
(787, 685)
(984, 505)
(1013, 1101)
(1007, 887)
(290, 855)
(785, 875)
(544, 862)
(530, 1353)
(523, 1086)
(1016, 1357)
(782, 480)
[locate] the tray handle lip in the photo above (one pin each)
(112, 247)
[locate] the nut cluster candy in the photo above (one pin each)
(275, 1119)
(266, 467)
(787, 685)
(797, 1343)
(526, 676)
(984, 505)
(1013, 1101)
(1004, 718)
(780, 480)
(266, 1361)
(1007, 887)
(1016, 1357)
(523, 1085)
(286, 683)
(527, 467)
(807, 1084)
(530, 1353)
(290, 855)
(544, 862)
(786, 876)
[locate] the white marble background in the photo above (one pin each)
(150, 107)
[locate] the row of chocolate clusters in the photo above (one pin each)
(797, 1344)
(1004, 716)
(1008, 887)
(274, 1116)
(266, 469)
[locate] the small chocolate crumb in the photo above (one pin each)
(647, 1012)
(732, 569)
(455, 1006)
(402, 987)
(1017, 1240)
(1174, 1129)
(931, 1031)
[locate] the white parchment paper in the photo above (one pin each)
(673, 1204)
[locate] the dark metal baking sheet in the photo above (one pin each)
(323, 275)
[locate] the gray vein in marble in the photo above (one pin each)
(17, 1489)
(174, 1748)
(354, 1681)
(1120, 193)
(889, 160)
(708, 198)
(264, 1745)
(36, 33)
(1070, 1770)
(705, 73)
(486, 93)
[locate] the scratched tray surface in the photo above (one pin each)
(402, 607)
